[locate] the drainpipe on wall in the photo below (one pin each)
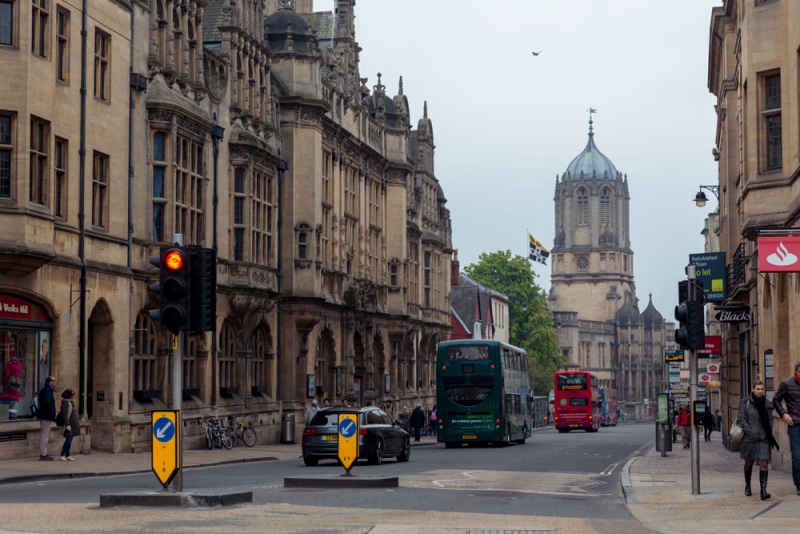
(217, 134)
(131, 174)
(282, 167)
(82, 218)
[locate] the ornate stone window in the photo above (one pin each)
(227, 359)
(39, 152)
(582, 262)
(771, 116)
(189, 190)
(159, 186)
(144, 376)
(303, 233)
(605, 206)
(583, 207)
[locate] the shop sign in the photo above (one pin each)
(710, 269)
(736, 315)
(704, 378)
(779, 254)
(713, 347)
(712, 369)
(673, 356)
(674, 373)
(20, 309)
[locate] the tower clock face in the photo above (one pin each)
(583, 262)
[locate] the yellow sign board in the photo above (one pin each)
(348, 439)
(174, 342)
(166, 450)
(673, 356)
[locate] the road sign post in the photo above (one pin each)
(347, 450)
(165, 456)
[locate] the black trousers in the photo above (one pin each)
(708, 431)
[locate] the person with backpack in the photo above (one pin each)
(46, 413)
(69, 420)
(434, 421)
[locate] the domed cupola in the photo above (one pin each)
(628, 314)
(650, 316)
(286, 31)
(591, 163)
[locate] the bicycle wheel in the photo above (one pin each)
(209, 441)
(231, 432)
(225, 439)
(218, 439)
(249, 436)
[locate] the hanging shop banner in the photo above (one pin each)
(710, 269)
(779, 254)
(713, 348)
(734, 315)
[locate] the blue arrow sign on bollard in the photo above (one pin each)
(164, 430)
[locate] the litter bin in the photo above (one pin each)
(663, 441)
(287, 428)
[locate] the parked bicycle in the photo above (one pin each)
(215, 434)
(241, 431)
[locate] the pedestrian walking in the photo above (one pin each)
(311, 411)
(46, 415)
(789, 393)
(403, 418)
(72, 426)
(756, 422)
(684, 422)
(708, 424)
(434, 421)
(417, 421)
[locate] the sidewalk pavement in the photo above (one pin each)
(99, 464)
(658, 492)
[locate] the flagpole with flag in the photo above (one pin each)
(536, 251)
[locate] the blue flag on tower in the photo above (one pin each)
(537, 250)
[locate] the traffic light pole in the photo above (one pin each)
(177, 389)
(695, 449)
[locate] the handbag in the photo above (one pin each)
(736, 433)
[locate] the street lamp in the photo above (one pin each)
(700, 198)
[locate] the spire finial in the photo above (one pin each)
(591, 110)
(425, 110)
(401, 86)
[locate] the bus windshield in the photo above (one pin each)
(480, 352)
(570, 382)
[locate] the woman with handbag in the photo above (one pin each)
(755, 420)
(72, 426)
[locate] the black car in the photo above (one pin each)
(379, 436)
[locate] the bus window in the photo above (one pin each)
(467, 353)
(470, 393)
(571, 382)
(581, 401)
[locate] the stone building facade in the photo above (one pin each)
(245, 127)
(593, 295)
(753, 72)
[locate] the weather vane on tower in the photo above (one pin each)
(591, 111)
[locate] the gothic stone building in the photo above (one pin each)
(244, 126)
(592, 294)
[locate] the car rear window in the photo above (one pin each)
(325, 419)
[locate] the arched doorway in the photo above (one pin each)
(100, 364)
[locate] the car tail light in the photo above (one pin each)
(444, 367)
(362, 431)
(497, 420)
(309, 431)
(440, 421)
(492, 366)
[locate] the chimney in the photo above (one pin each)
(455, 270)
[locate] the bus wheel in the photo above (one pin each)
(521, 441)
(451, 445)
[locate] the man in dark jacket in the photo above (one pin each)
(417, 421)
(46, 415)
(789, 393)
(708, 424)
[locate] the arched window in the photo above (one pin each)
(263, 358)
(605, 206)
(583, 206)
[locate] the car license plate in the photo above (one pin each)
(330, 437)
(573, 426)
(469, 436)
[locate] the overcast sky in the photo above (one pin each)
(506, 123)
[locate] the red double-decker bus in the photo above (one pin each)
(576, 405)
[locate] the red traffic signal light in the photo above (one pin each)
(173, 260)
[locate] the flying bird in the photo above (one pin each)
(536, 53)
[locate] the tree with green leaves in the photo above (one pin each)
(531, 324)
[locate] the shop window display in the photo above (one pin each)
(24, 362)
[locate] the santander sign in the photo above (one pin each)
(779, 254)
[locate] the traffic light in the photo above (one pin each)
(202, 289)
(689, 313)
(173, 288)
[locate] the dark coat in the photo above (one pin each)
(72, 425)
(754, 445)
(708, 420)
(47, 404)
(417, 419)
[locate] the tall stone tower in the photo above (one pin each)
(592, 294)
(592, 262)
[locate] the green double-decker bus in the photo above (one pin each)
(482, 393)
